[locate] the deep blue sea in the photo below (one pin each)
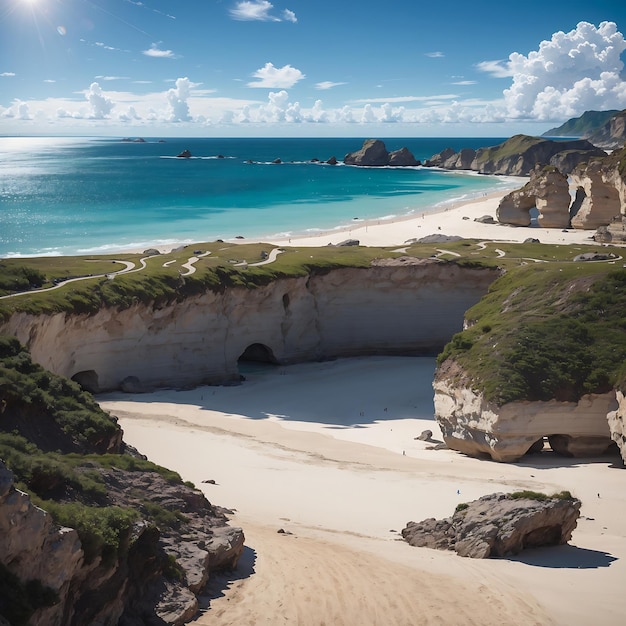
(62, 196)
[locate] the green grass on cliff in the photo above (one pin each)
(546, 331)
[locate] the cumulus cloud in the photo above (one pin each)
(178, 107)
(100, 105)
(156, 52)
(572, 73)
(270, 77)
(260, 11)
(327, 84)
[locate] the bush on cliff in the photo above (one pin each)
(546, 334)
(49, 410)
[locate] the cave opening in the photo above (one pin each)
(255, 358)
(88, 380)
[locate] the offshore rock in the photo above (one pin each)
(498, 525)
(374, 153)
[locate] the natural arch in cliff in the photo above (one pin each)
(88, 380)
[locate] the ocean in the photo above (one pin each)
(70, 196)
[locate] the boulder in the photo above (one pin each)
(332, 161)
(500, 525)
(185, 154)
(485, 219)
(615, 232)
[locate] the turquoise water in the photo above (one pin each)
(81, 196)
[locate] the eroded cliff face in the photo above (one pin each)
(476, 427)
(617, 424)
(400, 307)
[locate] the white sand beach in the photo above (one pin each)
(452, 220)
(327, 452)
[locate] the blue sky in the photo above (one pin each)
(306, 67)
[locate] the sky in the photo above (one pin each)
(307, 68)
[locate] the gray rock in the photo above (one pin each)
(498, 525)
(485, 219)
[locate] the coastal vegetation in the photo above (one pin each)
(51, 438)
(549, 331)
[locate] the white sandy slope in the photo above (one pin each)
(327, 451)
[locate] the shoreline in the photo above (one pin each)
(456, 219)
(328, 452)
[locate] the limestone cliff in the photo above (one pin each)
(477, 427)
(617, 424)
(547, 191)
(389, 308)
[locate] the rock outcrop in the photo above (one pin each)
(373, 153)
(601, 193)
(133, 588)
(402, 308)
(617, 424)
(499, 525)
(612, 134)
(518, 156)
(506, 433)
(547, 191)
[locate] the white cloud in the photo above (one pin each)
(447, 96)
(112, 77)
(260, 11)
(100, 105)
(435, 55)
(7, 74)
(572, 73)
(464, 82)
(49, 80)
(178, 109)
(498, 69)
(155, 52)
(327, 84)
(271, 77)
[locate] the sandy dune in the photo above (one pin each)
(327, 452)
